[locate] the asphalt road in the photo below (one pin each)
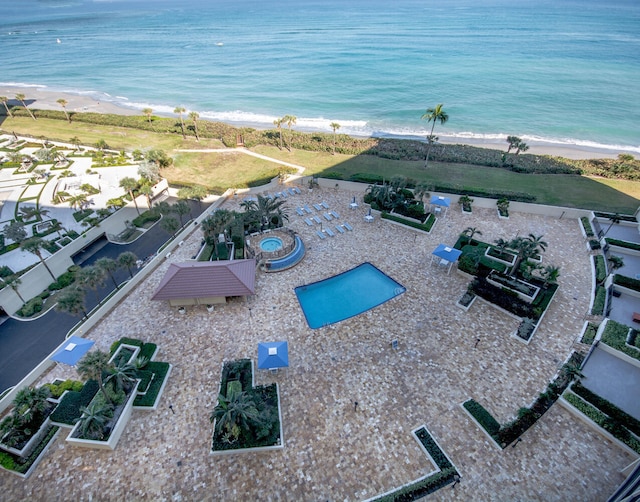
(25, 344)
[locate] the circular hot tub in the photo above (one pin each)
(271, 244)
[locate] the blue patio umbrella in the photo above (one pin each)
(273, 355)
(72, 350)
(446, 254)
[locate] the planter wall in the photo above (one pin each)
(31, 444)
(116, 432)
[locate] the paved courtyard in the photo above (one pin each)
(331, 451)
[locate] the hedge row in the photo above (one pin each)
(586, 224)
(607, 407)
(426, 226)
(68, 410)
(623, 244)
(420, 489)
(589, 334)
(601, 269)
(612, 426)
(146, 349)
(627, 282)
(484, 418)
(599, 301)
(160, 370)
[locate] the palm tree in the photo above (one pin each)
(121, 376)
(15, 231)
(93, 420)
(180, 110)
(5, 100)
(75, 141)
(469, 232)
(538, 244)
(71, 300)
(148, 112)
(21, 97)
(13, 281)
(278, 123)
(524, 249)
(235, 413)
(78, 200)
(513, 141)
(550, 275)
(170, 225)
(34, 245)
(421, 191)
(30, 402)
(130, 184)
(215, 225)
(92, 277)
(63, 103)
(616, 262)
(127, 259)
(181, 208)
(614, 219)
(109, 266)
(290, 120)
(93, 366)
(147, 190)
(29, 212)
(335, 126)
(195, 116)
(433, 115)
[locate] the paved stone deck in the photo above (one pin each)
(332, 452)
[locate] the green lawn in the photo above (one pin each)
(219, 171)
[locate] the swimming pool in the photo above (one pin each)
(346, 295)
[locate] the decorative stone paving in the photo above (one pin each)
(331, 451)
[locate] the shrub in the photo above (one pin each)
(622, 244)
(127, 341)
(615, 335)
(627, 282)
(64, 280)
(419, 489)
(586, 224)
(594, 244)
(601, 269)
(69, 407)
(484, 418)
(159, 370)
(148, 216)
(57, 389)
(31, 308)
(434, 450)
(589, 334)
(599, 301)
(426, 227)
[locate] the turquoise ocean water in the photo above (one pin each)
(556, 71)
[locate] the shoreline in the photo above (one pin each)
(44, 98)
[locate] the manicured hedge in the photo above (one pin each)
(622, 244)
(601, 269)
(607, 407)
(615, 335)
(69, 407)
(484, 418)
(599, 301)
(57, 389)
(589, 334)
(434, 450)
(160, 370)
(612, 426)
(419, 489)
(146, 217)
(586, 224)
(426, 227)
(627, 282)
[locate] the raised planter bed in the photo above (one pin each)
(525, 291)
(466, 301)
(503, 257)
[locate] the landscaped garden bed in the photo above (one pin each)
(446, 473)
(616, 335)
(258, 426)
(503, 435)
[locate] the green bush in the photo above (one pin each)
(64, 280)
(57, 389)
(599, 301)
(148, 216)
(69, 407)
(601, 269)
(622, 244)
(484, 418)
(127, 341)
(589, 334)
(434, 450)
(31, 308)
(627, 282)
(426, 227)
(81, 215)
(159, 370)
(594, 244)
(615, 335)
(420, 489)
(586, 224)
(5, 271)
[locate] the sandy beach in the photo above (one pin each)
(43, 98)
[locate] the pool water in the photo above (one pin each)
(346, 295)
(271, 244)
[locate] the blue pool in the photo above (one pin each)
(271, 244)
(346, 295)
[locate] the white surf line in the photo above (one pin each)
(300, 169)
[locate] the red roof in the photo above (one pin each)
(204, 279)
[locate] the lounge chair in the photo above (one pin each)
(284, 194)
(308, 222)
(327, 216)
(321, 234)
(340, 229)
(347, 226)
(317, 207)
(291, 191)
(278, 194)
(324, 204)
(316, 219)
(296, 190)
(329, 232)
(334, 214)
(299, 211)
(307, 209)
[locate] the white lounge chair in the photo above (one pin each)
(329, 232)
(334, 214)
(316, 219)
(317, 207)
(340, 229)
(347, 226)
(307, 209)
(324, 204)
(321, 234)
(308, 222)
(299, 211)
(327, 217)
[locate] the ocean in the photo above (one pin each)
(557, 72)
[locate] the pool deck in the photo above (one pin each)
(331, 451)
